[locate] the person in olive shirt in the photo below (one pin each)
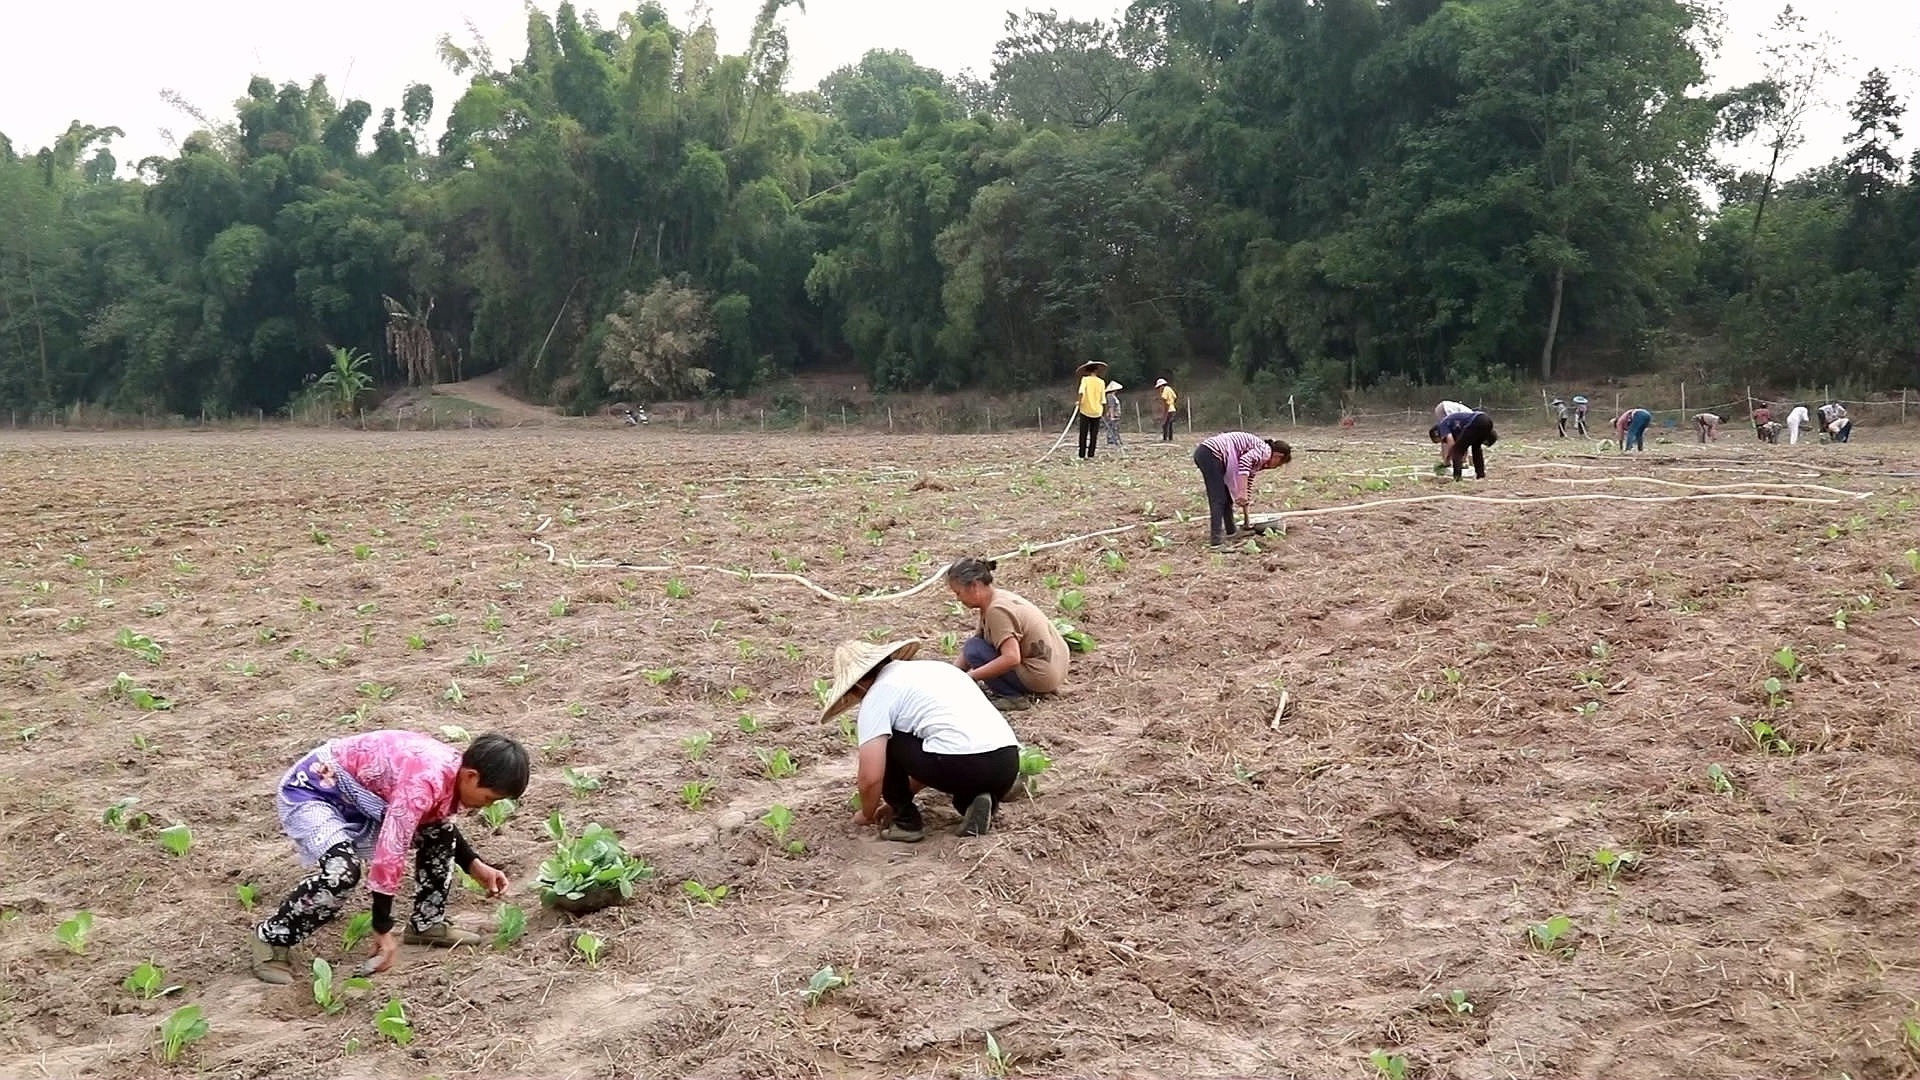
(1018, 653)
(1092, 404)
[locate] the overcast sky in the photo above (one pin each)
(106, 61)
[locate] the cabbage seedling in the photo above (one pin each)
(177, 839)
(580, 782)
(74, 932)
(392, 1022)
(1546, 936)
(694, 793)
(357, 930)
(326, 994)
(146, 982)
(708, 895)
(1033, 762)
(1389, 1066)
(496, 814)
(778, 763)
(510, 926)
(748, 725)
(779, 820)
(1718, 777)
(117, 817)
(696, 744)
(588, 945)
(182, 1028)
(247, 895)
(824, 982)
(590, 862)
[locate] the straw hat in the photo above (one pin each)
(1091, 367)
(1158, 383)
(853, 660)
(1114, 388)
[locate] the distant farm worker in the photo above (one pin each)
(1796, 420)
(1580, 414)
(1017, 652)
(1448, 408)
(922, 724)
(1768, 432)
(1460, 434)
(1560, 415)
(1630, 429)
(1828, 413)
(1091, 404)
(1227, 463)
(1110, 413)
(1707, 426)
(1762, 416)
(1840, 429)
(354, 806)
(1168, 409)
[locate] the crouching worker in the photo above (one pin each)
(1017, 653)
(922, 724)
(354, 806)
(1707, 426)
(1227, 464)
(1461, 433)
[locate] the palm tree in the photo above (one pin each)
(347, 379)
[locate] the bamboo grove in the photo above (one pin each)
(1313, 195)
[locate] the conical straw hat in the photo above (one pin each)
(853, 660)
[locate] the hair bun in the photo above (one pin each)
(993, 564)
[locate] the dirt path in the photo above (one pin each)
(487, 391)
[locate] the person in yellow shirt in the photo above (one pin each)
(1093, 403)
(1168, 403)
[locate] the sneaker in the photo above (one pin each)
(272, 963)
(900, 834)
(979, 816)
(442, 935)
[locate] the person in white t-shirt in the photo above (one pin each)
(1796, 420)
(922, 724)
(1446, 409)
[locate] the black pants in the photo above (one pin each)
(963, 776)
(1089, 434)
(1166, 428)
(1213, 473)
(1470, 440)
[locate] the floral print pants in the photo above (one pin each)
(319, 897)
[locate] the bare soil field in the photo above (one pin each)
(1496, 713)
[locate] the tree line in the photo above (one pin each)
(1316, 195)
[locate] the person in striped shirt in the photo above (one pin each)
(1227, 463)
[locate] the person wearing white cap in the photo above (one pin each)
(1110, 416)
(1168, 399)
(922, 724)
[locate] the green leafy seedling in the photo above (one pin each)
(778, 763)
(1073, 602)
(1789, 663)
(998, 1062)
(1718, 776)
(677, 589)
(392, 1022)
(748, 725)
(696, 744)
(1457, 1003)
(509, 926)
(120, 818)
(659, 676)
(779, 820)
(139, 643)
(1033, 762)
(331, 997)
(75, 932)
(694, 793)
(580, 782)
(589, 945)
(357, 930)
(148, 981)
(1547, 936)
(824, 982)
(1077, 640)
(495, 814)
(182, 1028)
(1390, 1066)
(247, 895)
(1611, 864)
(704, 894)
(177, 839)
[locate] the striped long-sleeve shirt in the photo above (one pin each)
(1243, 454)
